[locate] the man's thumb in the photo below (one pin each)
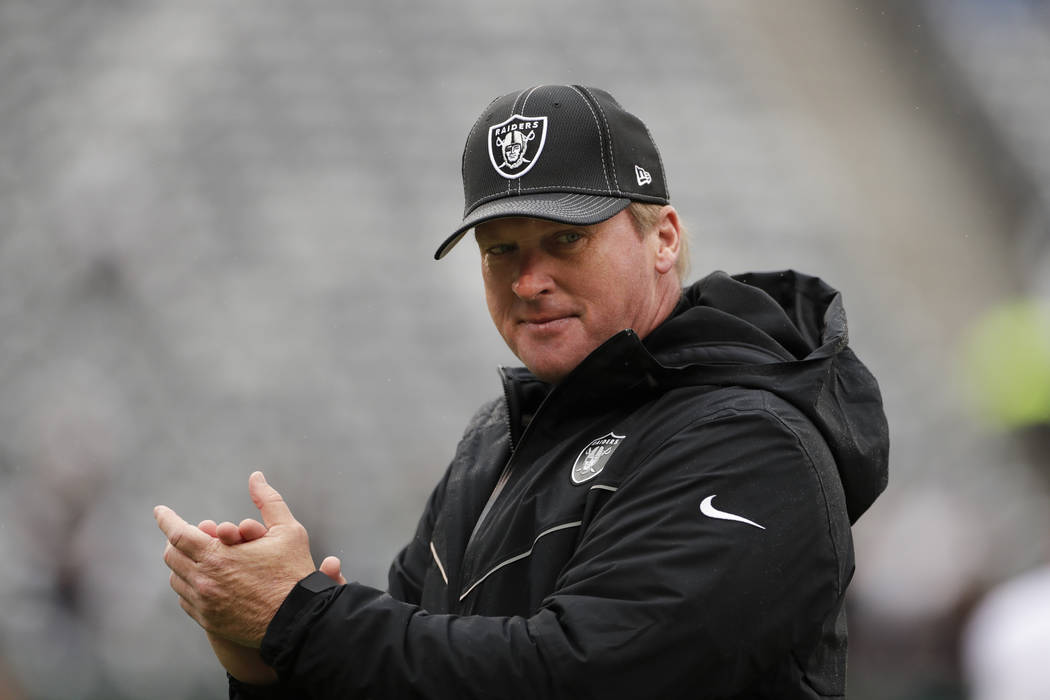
(332, 568)
(271, 505)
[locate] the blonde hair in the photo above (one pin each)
(646, 217)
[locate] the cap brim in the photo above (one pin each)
(566, 208)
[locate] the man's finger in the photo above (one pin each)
(207, 527)
(271, 506)
(179, 585)
(251, 529)
(178, 561)
(228, 533)
(188, 539)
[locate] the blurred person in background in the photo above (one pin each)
(1005, 642)
(660, 503)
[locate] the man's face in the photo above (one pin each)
(556, 291)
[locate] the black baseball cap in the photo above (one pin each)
(565, 153)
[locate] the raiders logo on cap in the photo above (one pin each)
(593, 458)
(514, 145)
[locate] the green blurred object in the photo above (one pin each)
(1008, 360)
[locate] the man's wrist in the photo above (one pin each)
(305, 592)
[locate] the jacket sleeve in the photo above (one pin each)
(660, 595)
(408, 570)
(405, 578)
(244, 691)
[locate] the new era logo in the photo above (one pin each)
(642, 175)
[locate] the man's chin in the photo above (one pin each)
(551, 358)
(551, 372)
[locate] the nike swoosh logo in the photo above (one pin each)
(710, 511)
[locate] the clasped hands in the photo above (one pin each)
(232, 579)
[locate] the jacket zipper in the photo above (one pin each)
(508, 469)
(504, 476)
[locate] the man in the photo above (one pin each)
(658, 507)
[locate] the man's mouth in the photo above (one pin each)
(546, 322)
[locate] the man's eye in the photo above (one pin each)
(570, 237)
(499, 249)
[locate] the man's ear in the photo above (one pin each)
(668, 240)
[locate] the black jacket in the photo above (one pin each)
(671, 520)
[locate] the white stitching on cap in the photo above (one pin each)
(660, 162)
(515, 109)
(605, 170)
(576, 190)
(521, 111)
(608, 140)
(547, 188)
(616, 190)
(559, 205)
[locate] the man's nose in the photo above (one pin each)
(533, 277)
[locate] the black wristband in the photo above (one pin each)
(317, 582)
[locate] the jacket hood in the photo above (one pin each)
(786, 333)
